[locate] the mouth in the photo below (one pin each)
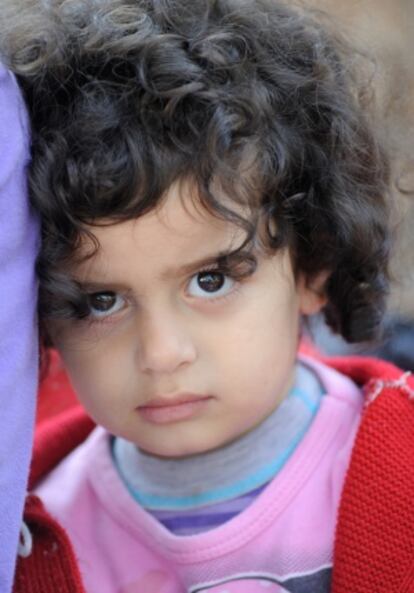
(173, 408)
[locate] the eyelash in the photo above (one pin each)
(96, 316)
(236, 274)
(81, 313)
(104, 318)
(228, 275)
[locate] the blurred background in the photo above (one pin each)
(385, 29)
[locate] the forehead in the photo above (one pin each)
(180, 230)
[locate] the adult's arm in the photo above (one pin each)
(18, 331)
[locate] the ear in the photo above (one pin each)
(312, 294)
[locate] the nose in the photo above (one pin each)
(164, 345)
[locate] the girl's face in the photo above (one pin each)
(179, 355)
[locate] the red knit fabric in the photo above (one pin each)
(51, 566)
(374, 550)
(55, 438)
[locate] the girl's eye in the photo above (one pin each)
(210, 284)
(104, 304)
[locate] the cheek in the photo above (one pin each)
(93, 379)
(272, 326)
(260, 348)
(95, 362)
(83, 374)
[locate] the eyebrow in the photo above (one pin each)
(224, 258)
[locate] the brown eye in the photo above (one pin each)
(210, 284)
(103, 304)
(210, 281)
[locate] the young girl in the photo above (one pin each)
(207, 179)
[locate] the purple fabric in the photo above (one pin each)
(193, 521)
(18, 333)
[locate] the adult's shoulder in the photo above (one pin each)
(18, 330)
(14, 134)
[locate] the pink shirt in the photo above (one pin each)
(282, 542)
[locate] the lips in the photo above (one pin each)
(173, 408)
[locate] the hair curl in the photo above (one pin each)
(128, 96)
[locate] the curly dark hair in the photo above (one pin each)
(128, 96)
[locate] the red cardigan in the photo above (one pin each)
(374, 547)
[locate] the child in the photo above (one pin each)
(207, 179)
